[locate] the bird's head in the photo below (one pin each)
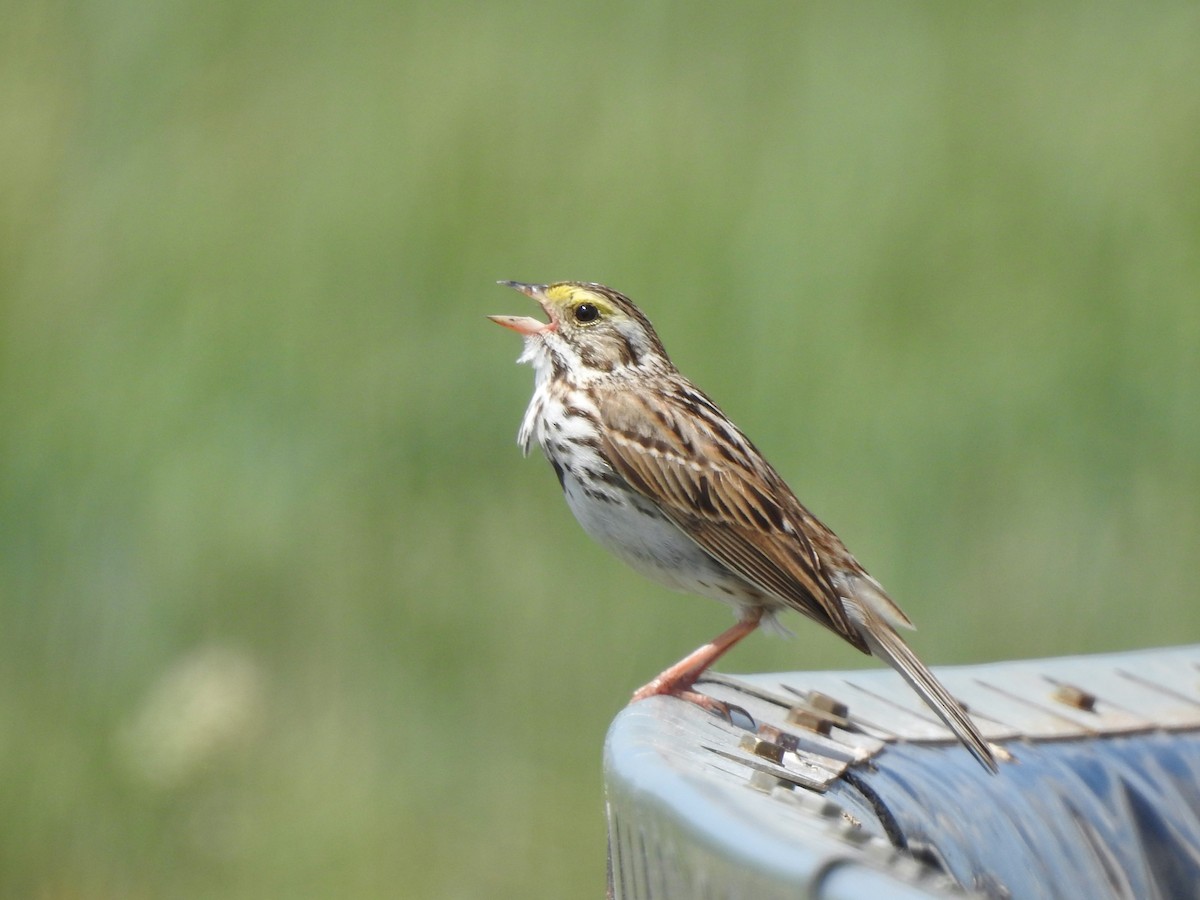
(592, 331)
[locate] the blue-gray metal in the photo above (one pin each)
(841, 785)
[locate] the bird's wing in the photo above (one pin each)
(679, 450)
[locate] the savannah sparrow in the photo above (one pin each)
(655, 472)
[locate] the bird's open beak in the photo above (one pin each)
(525, 325)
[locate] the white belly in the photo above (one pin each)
(635, 531)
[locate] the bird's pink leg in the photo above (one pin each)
(677, 681)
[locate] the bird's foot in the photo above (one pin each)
(727, 711)
(678, 680)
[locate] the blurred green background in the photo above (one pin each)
(284, 613)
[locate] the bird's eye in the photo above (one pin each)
(586, 312)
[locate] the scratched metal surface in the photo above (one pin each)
(1098, 794)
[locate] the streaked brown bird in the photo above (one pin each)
(655, 472)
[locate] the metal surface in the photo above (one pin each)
(843, 785)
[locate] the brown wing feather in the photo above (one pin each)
(681, 452)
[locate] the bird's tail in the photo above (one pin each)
(887, 645)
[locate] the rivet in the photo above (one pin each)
(1075, 697)
(766, 749)
(809, 720)
(764, 781)
(828, 704)
(789, 742)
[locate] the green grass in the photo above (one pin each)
(283, 611)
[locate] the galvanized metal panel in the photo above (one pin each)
(1098, 796)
